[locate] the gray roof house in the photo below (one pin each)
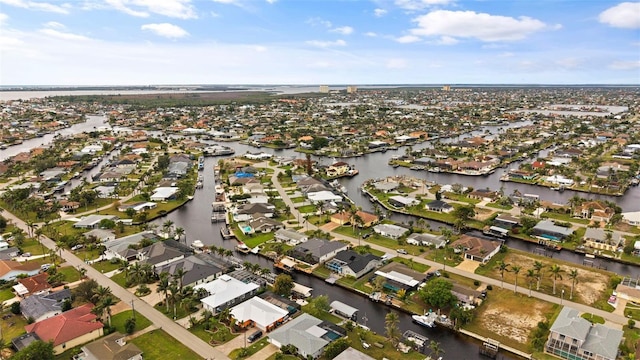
(389, 230)
(351, 263)
(550, 231)
(92, 221)
(316, 250)
(309, 334)
(599, 238)
(119, 248)
(111, 347)
(197, 271)
(572, 337)
(427, 240)
(439, 206)
(402, 201)
(160, 254)
(101, 234)
(40, 307)
(290, 237)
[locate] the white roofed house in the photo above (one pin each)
(308, 334)
(323, 196)
(92, 221)
(290, 237)
(225, 292)
(164, 193)
(259, 313)
(631, 218)
(402, 201)
(390, 230)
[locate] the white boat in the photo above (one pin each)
(427, 320)
(197, 244)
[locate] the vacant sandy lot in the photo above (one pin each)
(514, 323)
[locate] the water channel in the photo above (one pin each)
(195, 219)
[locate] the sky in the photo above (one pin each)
(349, 42)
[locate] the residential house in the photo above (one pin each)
(263, 224)
(465, 295)
(402, 201)
(120, 247)
(69, 329)
(484, 195)
(93, 221)
(164, 193)
(315, 250)
(33, 285)
(346, 217)
(290, 237)
(399, 276)
(9, 269)
(102, 235)
(179, 165)
(40, 307)
(632, 218)
(506, 221)
(225, 292)
(439, 206)
(138, 206)
(308, 334)
(386, 186)
(390, 230)
(594, 211)
(245, 212)
(547, 230)
(9, 253)
(476, 249)
(353, 354)
(575, 338)
(259, 313)
(438, 241)
(110, 347)
(197, 271)
(337, 169)
(323, 196)
(351, 263)
(162, 253)
(598, 238)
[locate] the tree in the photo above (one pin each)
(502, 268)
(434, 346)
(15, 307)
(556, 272)
(437, 292)
(515, 269)
(573, 275)
(283, 285)
(335, 348)
(320, 304)
(179, 275)
(130, 325)
(85, 290)
(538, 266)
(180, 232)
(378, 283)
(531, 278)
(100, 293)
(391, 327)
(37, 350)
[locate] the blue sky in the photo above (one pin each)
(127, 42)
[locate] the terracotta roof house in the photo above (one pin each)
(111, 347)
(476, 249)
(594, 210)
(10, 269)
(69, 329)
(33, 285)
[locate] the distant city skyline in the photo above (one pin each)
(360, 42)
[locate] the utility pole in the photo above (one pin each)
(134, 310)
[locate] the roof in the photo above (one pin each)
(39, 305)
(598, 339)
(7, 266)
(438, 204)
(163, 192)
(290, 234)
(475, 246)
(196, 269)
(303, 332)
(24, 340)
(258, 310)
(354, 260)
(437, 240)
(35, 283)
(112, 347)
(600, 234)
(320, 247)
(66, 326)
(120, 244)
(548, 225)
(353, 354)
(393, 230)
(224, 289)
(343, 308)
(159, 252)
(92, 220)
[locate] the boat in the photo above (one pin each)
(426, 320)
(243, 248)
(197, 244)
(226, 233)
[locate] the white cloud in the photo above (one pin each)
(63, 35)
(420, 4)
(344, 30)
(507, 54)
(481, 26)
(624, 15)
(379, 12)
(54, 25)
(232, 2)
(34, 5)
(370, 34)
(407, 39)
(3, 18)
(447, 40)
(181, 9)
(625, 65)
(166, 30)
(316, 21)
(396, 64)
(259, 48)
(326, 44)
(271, 1)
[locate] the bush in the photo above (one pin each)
(489, 287)
(476, 283)
(15, 307)
(631, 323)
(130, 325)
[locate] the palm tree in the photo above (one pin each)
(179, 275)
(502, 267)
(163, 286)
(166, 227)
(573, 275)
(100, 293)
(179, 233)
(515, 269)
(106, 304)
(435, 349)
(556, 272)
(538, 266)
(135, 274)
(531, 277)
(228, 253)
(391, 327)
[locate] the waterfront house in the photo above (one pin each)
(9, 269)
(386, 186)
(438, 241)
(93, 221)
(259, 313)
(346, 217)
(351, 263)
(247, 211)
(164, 193)
(353, 354)
(119, 248)
(69, 329)
(439, 206)
(101, 235)
(632, 218)
(290, 237)
(225, 292)
(547, 230)
(308, 334)
(337, 169)
(575, 338)
(484, 195)
(316, 250)
(399, 201)
(601, 239)
(110, 347)
(197, 271)
(44, 306)
(399, 276)
(595, 211)
(476, 249)
(263, 224)
(390, 230)
(138, 206)
(162, 253)
(506, 221)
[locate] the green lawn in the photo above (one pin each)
(411, 264)
(594, 319)
(13, 326)
(218, 334)
(105, 266)
(564, 217)
(180, 312)
(307, 209)
(33, 246)
(120, 279)
(6, 294)
(254, 239)
(71, 274)
(251, 349)
(325, 316)
(158, 345)
(118, 320)
(498, 206)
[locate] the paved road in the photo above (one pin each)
(157, 318)
(613, 317)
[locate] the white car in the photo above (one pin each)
(402, 251)
(45, 267)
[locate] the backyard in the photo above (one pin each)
(158, 345)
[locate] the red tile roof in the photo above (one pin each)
(36, 283)
(66, 326)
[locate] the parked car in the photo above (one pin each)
(45, 267)
(27, 254)
(402, 251)
(77, 247)
(255, 336)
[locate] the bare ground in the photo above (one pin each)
(514, 324)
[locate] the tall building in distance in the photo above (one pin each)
(324, 89)
(352, 89)
(446, 88)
